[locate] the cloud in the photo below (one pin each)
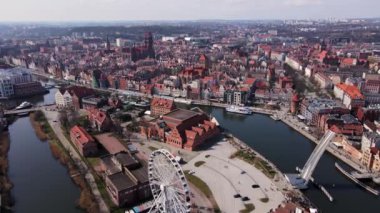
(299, 3)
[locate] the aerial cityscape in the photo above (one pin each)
(200, 106)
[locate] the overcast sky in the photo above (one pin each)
(108, 10)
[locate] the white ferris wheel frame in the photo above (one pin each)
(168, 184)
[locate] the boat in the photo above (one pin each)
(275, 117)
(239, 110)
(24, 105)
(140, 104)
(183, 101)
(49, 85)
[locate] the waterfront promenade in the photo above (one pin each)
(52, 116)
(298, 126)
(237, 177)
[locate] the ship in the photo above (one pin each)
(140, 104)
(183, 101)
(239, 110)
(24, 105)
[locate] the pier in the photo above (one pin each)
(366, 187)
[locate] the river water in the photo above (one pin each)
(41, 183)
(287, 149)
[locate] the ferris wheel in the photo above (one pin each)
(168, 184)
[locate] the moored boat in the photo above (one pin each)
(239, 110)
(24, 105)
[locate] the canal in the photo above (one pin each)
(41, 183)
(287, 149)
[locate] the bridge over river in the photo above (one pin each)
(22, 111)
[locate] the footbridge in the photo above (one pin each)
(22, 111)
(301, 180)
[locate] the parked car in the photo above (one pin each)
(237, 195)
(245, 198)
(255, 186)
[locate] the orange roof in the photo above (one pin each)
(351, 91)
(250, 81)
(322, 54)
(82, 136)
(162, 102)
(348, 61)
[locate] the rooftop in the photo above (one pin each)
(110, 143)
(181, 114)
(121, 181)
(352, 91)
(81, 135)
(320, 104)
(126, 159)
(141, 174)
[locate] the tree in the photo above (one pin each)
(63, 119)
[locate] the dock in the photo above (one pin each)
(323, 189)
(366, 187)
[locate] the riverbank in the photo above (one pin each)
(5, 183)
(44, 132)
(333, 151)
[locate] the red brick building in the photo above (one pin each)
(183, 129)
(84, 142)
(345, 125)
(99, 120)
(78, 93)
(160, 106)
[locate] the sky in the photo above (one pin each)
(130, 10)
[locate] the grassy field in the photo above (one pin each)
(203, 187)
(248, 208)
(152, 148)
(199, 163)
(259, 163)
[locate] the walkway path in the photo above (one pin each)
(53, 116)
(227, 177)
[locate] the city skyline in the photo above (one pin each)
(162, 10)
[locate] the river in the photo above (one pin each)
(287, 149)
(41, 183)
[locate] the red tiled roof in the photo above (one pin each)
(352, 91)
(162, 102)
(250, 81)
(82, 135)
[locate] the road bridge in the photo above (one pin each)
(21, 111)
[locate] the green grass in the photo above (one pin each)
(197, 182)
(199, 163)
(248, 208)
(152, 148)
(264, 199)
(203, 187)
(259, 163)
(93, 161)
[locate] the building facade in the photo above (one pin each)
(84, 142)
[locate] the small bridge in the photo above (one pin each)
(21, 111)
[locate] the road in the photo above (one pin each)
(52, 116)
